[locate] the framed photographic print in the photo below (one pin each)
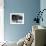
(16, 18)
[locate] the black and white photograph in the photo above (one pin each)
(16, 18)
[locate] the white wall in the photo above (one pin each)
(1, 20)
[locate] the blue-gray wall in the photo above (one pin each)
(43, 6)
(29, 8)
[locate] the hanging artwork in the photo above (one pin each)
(16, 18)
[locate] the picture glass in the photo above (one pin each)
(16, 18)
